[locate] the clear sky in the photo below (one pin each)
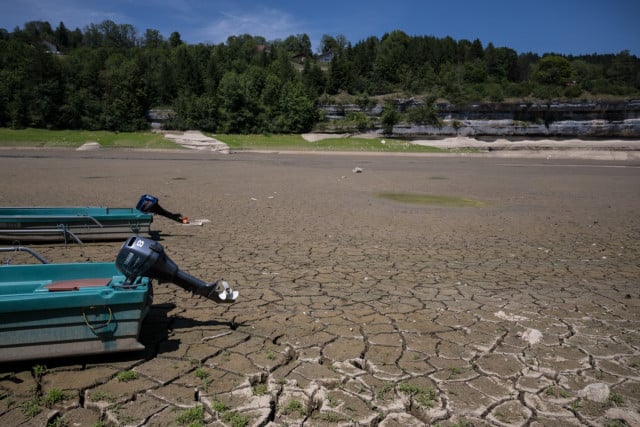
(542, 26)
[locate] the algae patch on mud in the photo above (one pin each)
(433, 200)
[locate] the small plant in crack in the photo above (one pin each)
(38, 372)
(576, 405)
(235, 419)
(260, 389)
(101, 396)
(556, 392)
(228, 416)
(203, 375)
(271, 355)
(615, 399)
(332, 402)
(294, 406)
(126, 376)
(31, 407)
(219, 406)
(191, 417)
(423, 396)
(386, 388)
(54, 396)
(454, 370)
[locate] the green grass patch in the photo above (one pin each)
(260, 142)
(428, 199)
(32, 407)
(125, 376)
(191, 417)
(75, 138)
(297, 143)
(44, 138)
(54, 396)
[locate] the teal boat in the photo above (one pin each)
(57, 310)
(72, 309)
(71, 223)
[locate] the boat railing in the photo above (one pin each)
(30, 251)
(51, 217)
(60, 229)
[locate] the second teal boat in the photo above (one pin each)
(71, 223)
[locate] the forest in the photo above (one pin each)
(108, 76)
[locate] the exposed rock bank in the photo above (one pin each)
(198, 141)
(581, 119)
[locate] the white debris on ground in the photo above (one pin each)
(198, 222)
(532, 336)
(595, 392)
(357, 170)
(510, 317)
(196, 140)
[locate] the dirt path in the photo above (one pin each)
(356, 310)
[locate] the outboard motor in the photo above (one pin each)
(149, 204)
(140, 256)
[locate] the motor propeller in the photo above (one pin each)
(140, 256)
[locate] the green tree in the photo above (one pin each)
(175, 40)
(425, 113)
(186, 71)
(339, 73)
(390, 117)
(124, 103)
(295, 112)
(553, 70)
(152, 38)
(313, 79)
(624, 69)
(62, 36)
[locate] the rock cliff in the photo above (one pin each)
(596, 119)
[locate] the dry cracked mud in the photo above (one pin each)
(355, 310)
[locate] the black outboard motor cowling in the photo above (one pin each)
(149, 204)
(140, 256)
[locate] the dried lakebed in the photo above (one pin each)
(354, 309)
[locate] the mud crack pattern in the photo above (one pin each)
(356, 311)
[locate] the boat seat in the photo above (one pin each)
(76, 284)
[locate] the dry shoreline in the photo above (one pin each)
(355, 309)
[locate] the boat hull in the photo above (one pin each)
(61, 310)
(72, 223)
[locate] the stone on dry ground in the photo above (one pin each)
(355, 310)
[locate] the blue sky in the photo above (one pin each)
(562, 26)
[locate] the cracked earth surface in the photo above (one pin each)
(355, 310)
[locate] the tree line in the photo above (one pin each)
(108, 76)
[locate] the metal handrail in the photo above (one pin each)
(61, 229)
(52, 217)
(23, 249)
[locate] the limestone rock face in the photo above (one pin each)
(591, 119)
